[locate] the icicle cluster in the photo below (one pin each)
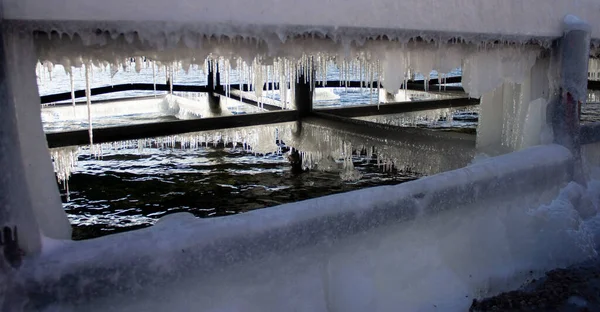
(391, 63)
(429, 117)
(594, 69)
(65, 162)
(321, 148)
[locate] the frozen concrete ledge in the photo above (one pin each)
(496, 19)
(132, 263)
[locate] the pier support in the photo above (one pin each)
(38, 170)
(16, 208)
(572, 63)
(214, 87)
(303, 94)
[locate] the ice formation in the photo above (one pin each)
(389, 62)
(428, 118)
(523, 107)
(88, 95)
(65, 161)
(357, 258)
(321, 144)
(431, 244)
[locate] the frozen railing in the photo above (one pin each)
(277, 258)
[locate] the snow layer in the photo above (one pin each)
(474, 19)
(426, 245)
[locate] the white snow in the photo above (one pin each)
(426, 245)
(343, 20)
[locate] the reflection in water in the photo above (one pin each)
(136, 182)
(126, 189)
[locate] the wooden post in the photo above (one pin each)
(574, 49)
(303, 94)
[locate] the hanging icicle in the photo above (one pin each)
(72, 87)
(89, 107)
(154, 76)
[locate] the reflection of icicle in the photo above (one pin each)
(89, 106)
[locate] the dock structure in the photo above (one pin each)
(525, 67)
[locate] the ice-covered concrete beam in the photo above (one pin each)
(471, 19)
(155, 265)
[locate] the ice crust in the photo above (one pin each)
(493, 19)
(430, 244)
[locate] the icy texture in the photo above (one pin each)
(179, 105)
(391, 63)
(513, 115)
(431, 244)
(429, 118)
(164, 21)
(323, 145)
(594, 69)
(412, 95)
(572, 22)
(487, 69)
(65, 161)
(45, 199)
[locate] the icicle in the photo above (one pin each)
(406, 86)
(172, 73)
(72, 88)
(378, 83)
(138, 64)
(89, 107)
(371, 81)
(154, 76)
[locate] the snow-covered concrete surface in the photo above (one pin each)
(496, 19)
(434, 242)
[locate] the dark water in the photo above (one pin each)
(128, 189)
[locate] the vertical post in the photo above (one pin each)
(303, 94)
(214, 84)
(574, 48)
(210, 79)
(16, 209)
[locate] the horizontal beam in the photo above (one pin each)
(590, 133)
(120, 99)
(487, 20)
(398, 108)
(150, 130)
(411, 85)
(418, 85)
(237, 95)
(357, 123)
(64, 96)
(120, 88)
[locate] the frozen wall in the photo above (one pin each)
(473, 18)
(429, 244)
(41, 182)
